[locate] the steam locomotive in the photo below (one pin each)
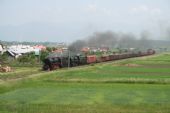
(56, 61)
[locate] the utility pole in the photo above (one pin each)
(39, 56)
(61, 58)
(68, 58)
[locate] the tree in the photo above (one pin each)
(49, 49)
(44, 54)
(3, 58)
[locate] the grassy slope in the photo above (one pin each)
(93, 89)
(19, 72)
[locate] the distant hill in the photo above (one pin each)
(160, 43)
(153, 43)
(48, 44)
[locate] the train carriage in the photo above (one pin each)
(56, 61)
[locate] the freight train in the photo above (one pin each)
(53, 62)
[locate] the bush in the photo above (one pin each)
(28, 58)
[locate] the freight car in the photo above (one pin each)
(55, 61)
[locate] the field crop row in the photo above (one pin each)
(138, 85)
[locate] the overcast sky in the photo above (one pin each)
(68, 20)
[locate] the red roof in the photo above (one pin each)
(41, 47)
(85, 49)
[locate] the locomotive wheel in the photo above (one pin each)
(55, 67)
(46, 68)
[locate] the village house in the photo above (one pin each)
(1, 49)
(18, 50)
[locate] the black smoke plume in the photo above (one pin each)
(113, 40)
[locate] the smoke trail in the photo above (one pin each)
(113, 40)
(77, 45)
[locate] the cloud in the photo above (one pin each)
(107, 11)
(93, 8)
(143, 9)
(156, 11)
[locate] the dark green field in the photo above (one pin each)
(138, 85)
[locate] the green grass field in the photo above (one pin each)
(112, 87)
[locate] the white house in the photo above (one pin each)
(18, 50)
(1, 49)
